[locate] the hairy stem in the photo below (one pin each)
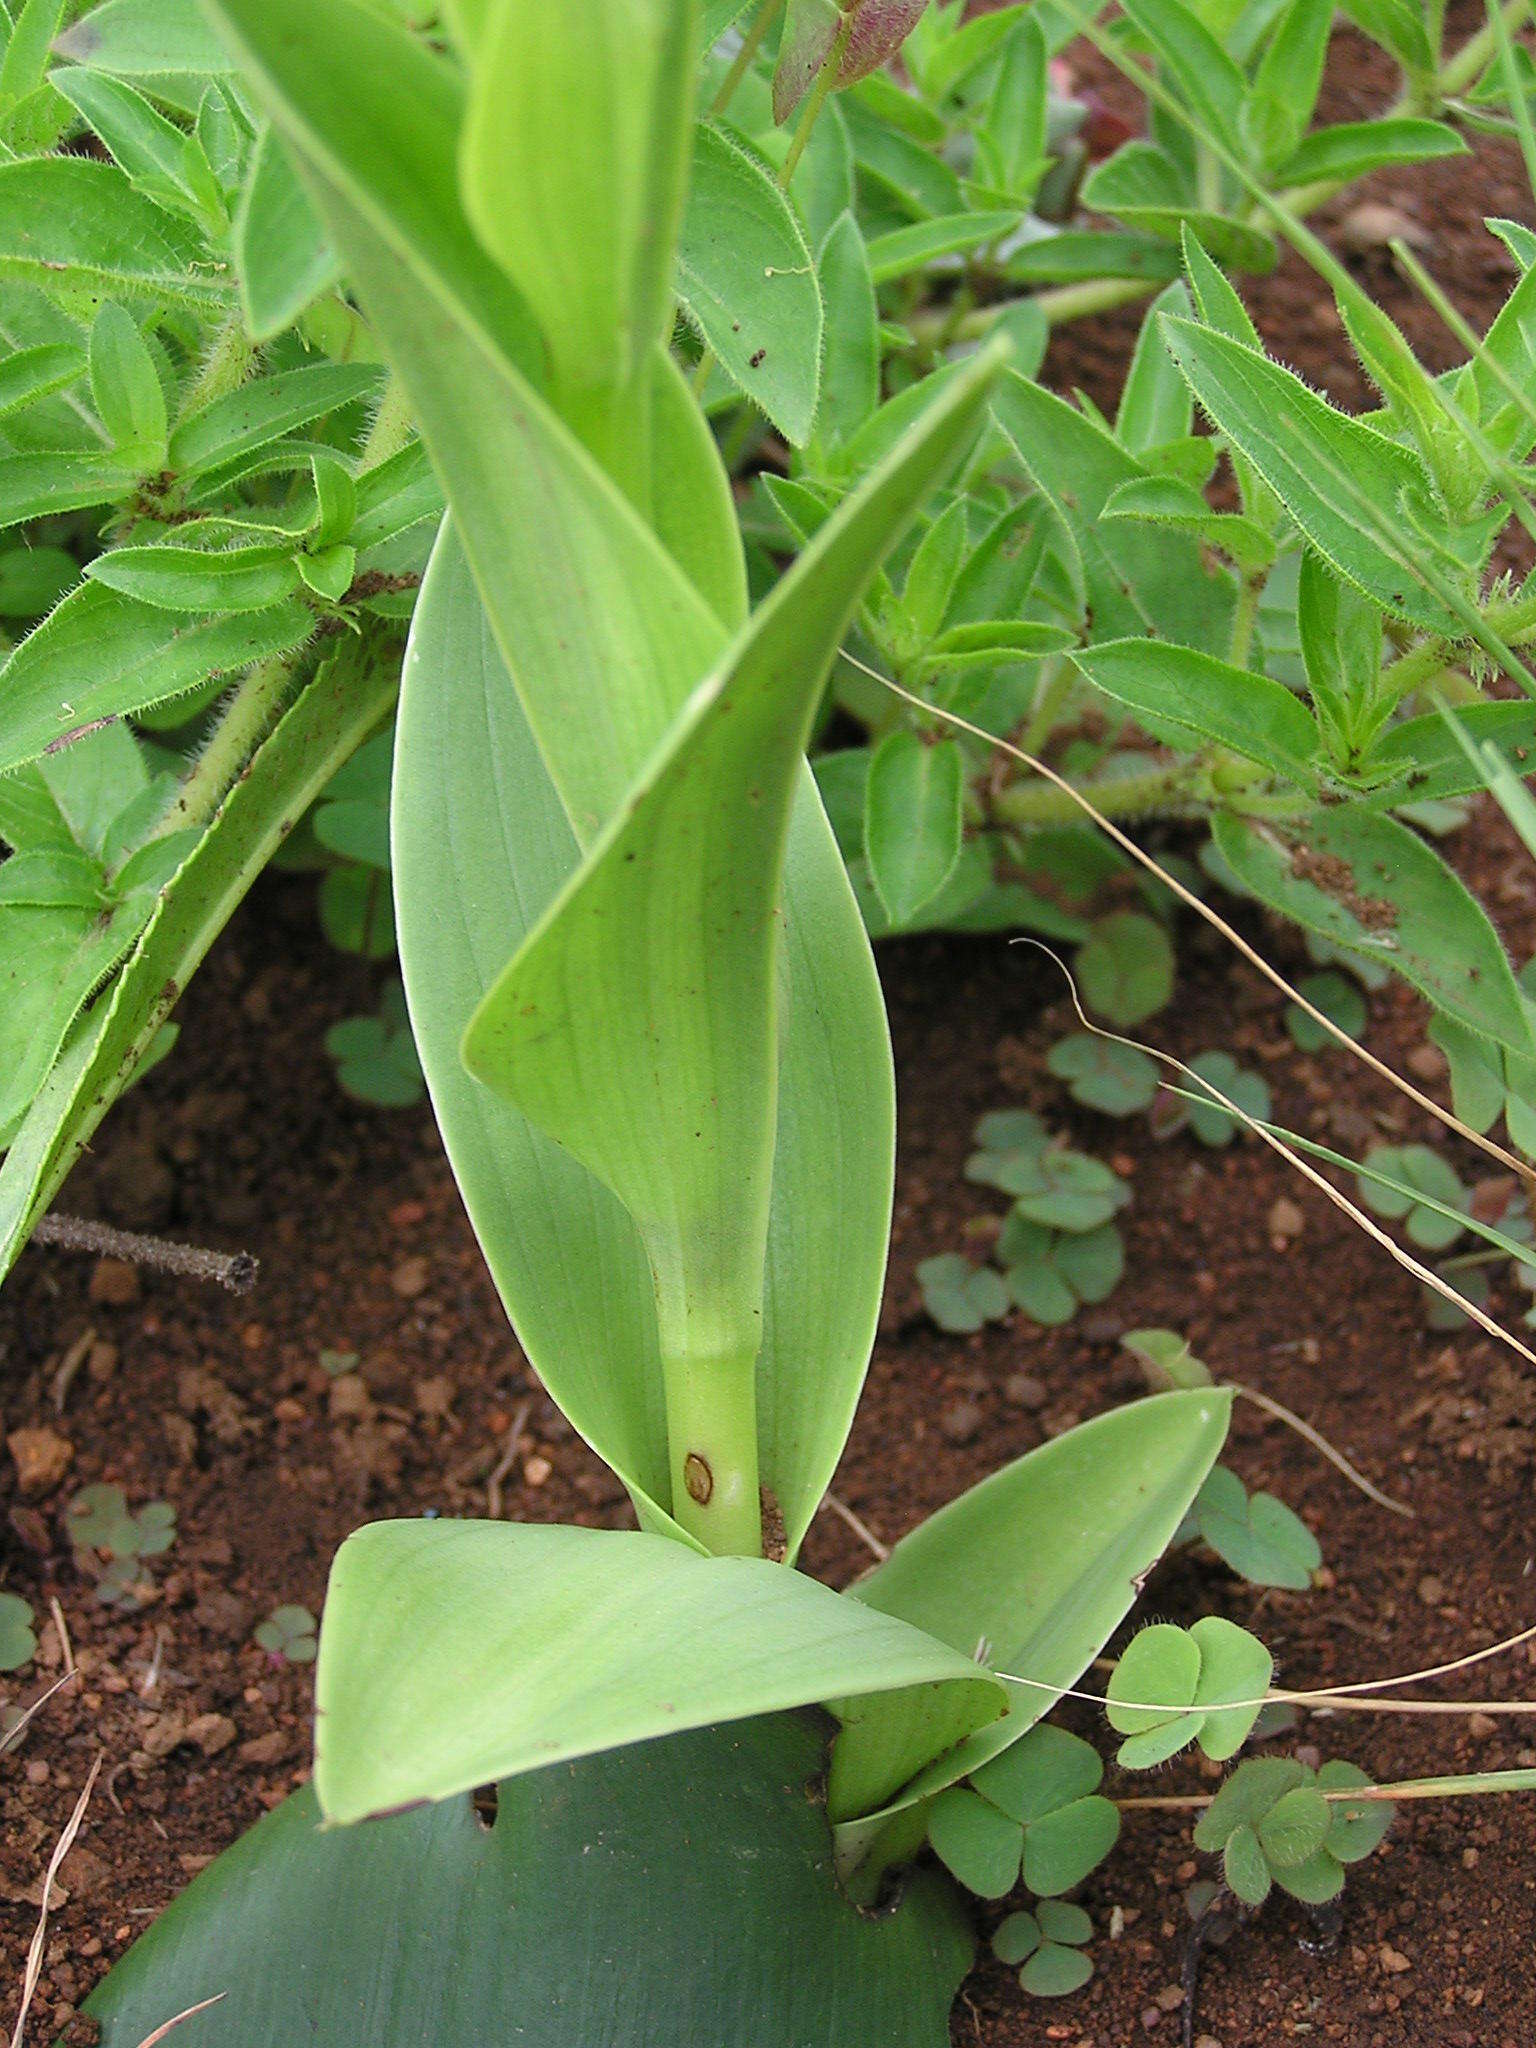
(249, 710)
(1167, 790)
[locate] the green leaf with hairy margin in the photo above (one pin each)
(572, 1921)
(267, 409)
(1139, 579)
(1040, 1564)
(34, 486)
(1208, 699)
(1341, 481)
(912, 820)
(748, 283)
(1374, 887)
(79, 231)
(179, 579)
(1354, 148)
(102, 655)
(457, 1652)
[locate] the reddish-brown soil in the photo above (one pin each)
(224, 1408)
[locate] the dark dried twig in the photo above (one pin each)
(235, 1270)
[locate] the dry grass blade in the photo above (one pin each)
(860, 1528)
(62, 1847)
(1321, 1444)
(150, 2040)
(13, 1735)
(1207, 1090)
(1522, 1171)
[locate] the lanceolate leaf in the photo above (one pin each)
(912, 820)
(280, 248)
(1041, 1563)
(1373, 886)
(638, 1024)
(749, 284)
(573, 1921)
(1342, 482)
(102, 655)
(458, 1652)
(1139, 580)
(1212, 699)
(79, 230)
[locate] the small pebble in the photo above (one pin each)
(1431, 1590)
(1024, 1391)
(114, 1284)
(410, 1277)
(1481, 1726)
(41, 1458)
(537, 1470)
(1392, 1960)
(960, 1421)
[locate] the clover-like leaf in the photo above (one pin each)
(961, 1297)
(1050, 1273)
(1356, 1828)
(1338, 998)
(977, 1843)
(1005, 1138)
(1417, 1169)
(1049, 1782)
(1166, 1359)
(18, 1637)
(1245, 1867)
(1116, 1079)
(375, 1057)
(1059, 1966)
(98, 1518)
(1294, 1828)
(1064, 1189)
(1256, 1534)
(1213, 1124)
(1174, 1686)
(1016, 1938)
(288, 1635)
(1125, 970)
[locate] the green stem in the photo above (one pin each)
(1051, 693)
(1158, 792)
(826, 78)
(752, 42)
(1245, 618)
(225, 368)
(250, 710)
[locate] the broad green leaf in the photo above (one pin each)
(1257, 1535)
(1155, 405)
(1374, 887)
(80, 232)
(180, 579)
(585, 116)
(1355, 148)
(51, 959)
(1342, 482)
(266, 410)
(1428, 762)
(748, 283)
(912, 820)
(113, 1041)
(280, 249)
(573, 1921)
(538, 1214)
(1041, 1562)
(1400, 26)
(637, 1024)
(1140, 580)
(101, 655)
(1289, 76)
(1141, 185)
(1209, 700)
(457, 1652)
(1206, 76)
